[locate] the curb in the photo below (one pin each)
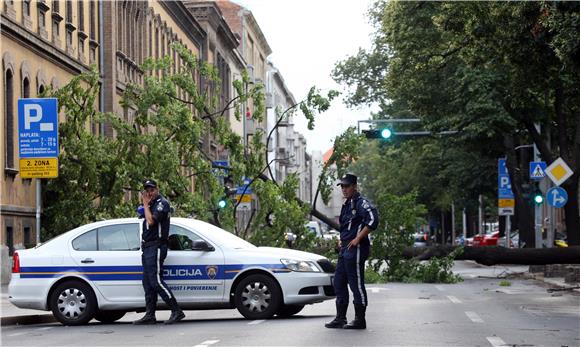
(27, 320)
(559, 284)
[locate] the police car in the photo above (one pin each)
(95, 271)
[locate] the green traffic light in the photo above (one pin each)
(386, 133)
(538, 199)
(222, 203)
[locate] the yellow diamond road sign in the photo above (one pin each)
(559, 171)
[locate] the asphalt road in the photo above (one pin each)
(476, 312)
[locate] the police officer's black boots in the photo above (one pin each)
(340, 320)
(148, 318)
(176, 313)
(359, 321)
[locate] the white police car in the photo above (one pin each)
(95, 271)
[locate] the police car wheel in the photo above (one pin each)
(288, 310)
(258, 297)
(109, 316)
(73, 303)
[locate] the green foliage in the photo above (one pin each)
(372, 276)
(489, 70)
(165, 120)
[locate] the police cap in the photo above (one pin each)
(347, 180)
(149, 183)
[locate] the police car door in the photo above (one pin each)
(110, 257)
(193, 275)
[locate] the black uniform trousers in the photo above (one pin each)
(153, 283)
(350, 272)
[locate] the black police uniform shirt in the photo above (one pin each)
(160, 210)
(356, 213)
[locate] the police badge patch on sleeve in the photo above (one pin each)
(159, 207)
(365, 205)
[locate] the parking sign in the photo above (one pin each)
(38, 137)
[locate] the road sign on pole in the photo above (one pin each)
(506, 200)
(537, 170)
(557, 197)
(559, 171)
(38, 137)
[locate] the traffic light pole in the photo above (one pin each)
(537, 207)
(403, 133)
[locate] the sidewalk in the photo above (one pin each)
(11, 315)
(470, 269)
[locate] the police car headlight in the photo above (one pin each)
(300, 265)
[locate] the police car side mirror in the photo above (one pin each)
(200, 245)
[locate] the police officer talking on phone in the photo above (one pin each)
(154, 246)
(357, 219)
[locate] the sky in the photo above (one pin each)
(308, 37)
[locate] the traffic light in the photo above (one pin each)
(538, 198)
(382, 133)
(229, 193)
(537, 195)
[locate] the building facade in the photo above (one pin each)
(255, 50)
(44, 44)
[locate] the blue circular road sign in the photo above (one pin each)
(557, 197)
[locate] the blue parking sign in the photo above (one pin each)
(38, 128)
(504, 186)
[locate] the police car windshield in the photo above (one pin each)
(218, 235)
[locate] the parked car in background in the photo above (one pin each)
(314, 227)
(331, 235)
(514, 240)
(486, 239)
(420, 239)
(490, 239)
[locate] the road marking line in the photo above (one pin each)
(474, 317)
(440, 288)
(377, 289)
(17, 334)
(496, 341)
(256, 322)
(207, 343)
(454, 299)
(45, 328)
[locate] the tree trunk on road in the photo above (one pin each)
(501, 255)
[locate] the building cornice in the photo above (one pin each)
(186, 22)
(14, 210)
(252, 23)
(210, 12)
(40, 47)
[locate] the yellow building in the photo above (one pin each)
(44, 43)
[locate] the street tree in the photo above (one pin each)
(491, 70)
(171, 113)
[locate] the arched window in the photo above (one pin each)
(9, 119)
(26, 87)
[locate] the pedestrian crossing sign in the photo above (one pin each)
(537, 170)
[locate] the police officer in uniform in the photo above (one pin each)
(357, 219)
(154, 247)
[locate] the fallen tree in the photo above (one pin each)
(500, 255)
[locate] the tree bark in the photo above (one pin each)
(523, 209)
(501, 255)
